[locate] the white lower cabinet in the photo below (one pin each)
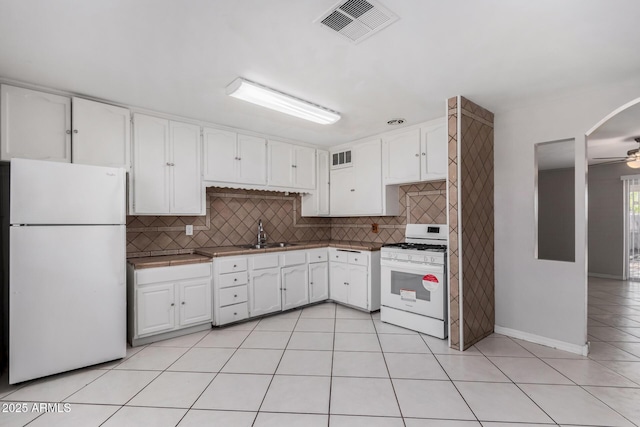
(295, 288)
(155, 308)
(354, 278)
(167, 299)
(318, 275)
(230, 290)
(264, 291)
(254, 285)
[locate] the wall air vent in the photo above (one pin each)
(356, 19)
(341, 159)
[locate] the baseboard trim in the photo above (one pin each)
(537, 339)
(605, 276)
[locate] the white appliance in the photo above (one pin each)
(67, 280)
(414, 280)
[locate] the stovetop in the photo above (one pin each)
(417, 247)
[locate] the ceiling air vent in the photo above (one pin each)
(357, 19)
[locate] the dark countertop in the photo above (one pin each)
(205, 254)
(236, 250)
(167, 260)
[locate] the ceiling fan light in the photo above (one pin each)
(634, 164)
(278, 101)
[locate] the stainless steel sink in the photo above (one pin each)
(269, 245)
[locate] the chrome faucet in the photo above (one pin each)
(262, 236)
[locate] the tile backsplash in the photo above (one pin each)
(232, 218)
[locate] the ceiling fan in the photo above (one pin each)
(632, 159)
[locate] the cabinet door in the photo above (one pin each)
(150, 165)
(34, 125)
(220, 155)
(281, 165)
(295, 286)
(264, 291)
(434, 159)
(322, 192)
(338, 278)
(252, 152)
(305, 167)
(367, 158)
(401, 157)
(194, 299)
(358, 286)
(342, 191)
(101, 134)
(155, 308)
(186, 184)
(318, 281)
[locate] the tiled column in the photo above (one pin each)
(471, 251)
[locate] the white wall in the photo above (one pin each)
(540, 300)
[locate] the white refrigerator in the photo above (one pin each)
(67, 280)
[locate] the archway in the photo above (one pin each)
(610, 295)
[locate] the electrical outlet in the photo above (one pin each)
(189, 230)
(374, 227)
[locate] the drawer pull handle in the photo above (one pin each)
(234, 266)
(235, 296)
(235, 314)
(183, 302)
(235, 280)
(311, 283)
(356, 259)
(319, 256)
(172, 304)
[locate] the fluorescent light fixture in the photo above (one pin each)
(270, 98)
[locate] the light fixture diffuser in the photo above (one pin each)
(270, 98)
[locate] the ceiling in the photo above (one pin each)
(177, 57)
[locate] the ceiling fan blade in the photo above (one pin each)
(608, 163)
(607, 158)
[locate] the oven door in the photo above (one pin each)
(417, 288)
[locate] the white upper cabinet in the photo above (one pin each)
(281, 164)
(187, 193)
(416, 154)
(401, 157)
(166, 171)
(34, 125)
(234, 158)
(433, 152)
(317, 203)
(220, 155)
(342, 190)
(291, 165)
(358, 189)
(367, 198)
(305, 167)
(101, 134)
(252, 159)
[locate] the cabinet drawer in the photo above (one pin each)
(294, 258)
(172, 274)
(338, 256)
(358, 259)
(232, 279)
(265, 261)
(233, 313)
(317, 256)
(232, 265)
(233, 295)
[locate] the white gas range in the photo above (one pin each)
(414, 280)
